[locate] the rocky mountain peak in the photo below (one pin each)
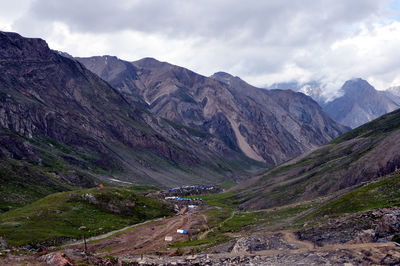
(109, 58)
(149, 62)
(222, 76)
(360, 103)
(355, 87)
(13, 45)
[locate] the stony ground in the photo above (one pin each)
(356, 254)
(279, 248)
(348, 227)
(344, 240)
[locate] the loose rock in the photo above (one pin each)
(57, 258)
(3, 244)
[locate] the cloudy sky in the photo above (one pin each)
(261, 41)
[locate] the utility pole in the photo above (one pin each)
(83, 228)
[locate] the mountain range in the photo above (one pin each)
(358, 103)
(268, 126)
(147, 121)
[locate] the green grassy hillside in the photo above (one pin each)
(382, 194)
(58, 217)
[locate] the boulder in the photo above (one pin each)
(389, 225)
(390, 259)
(3, 244)
(57, 259)
(364, 236)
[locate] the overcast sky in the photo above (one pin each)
(262, 41)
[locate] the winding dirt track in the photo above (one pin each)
(146, 237)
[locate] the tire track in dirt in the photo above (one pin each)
(152, 242)
(143, 238)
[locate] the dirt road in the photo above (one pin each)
(146, 237)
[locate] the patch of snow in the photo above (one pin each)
(120, 181)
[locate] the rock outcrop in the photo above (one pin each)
(3, 244)
(56, 259)
(389, 225)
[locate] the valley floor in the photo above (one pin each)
(145, 244)
(323, 231)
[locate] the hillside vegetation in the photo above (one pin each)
(59, 216)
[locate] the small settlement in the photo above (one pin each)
(183, 197)
(191, 190)
(186, 200)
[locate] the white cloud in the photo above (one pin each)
(261, 41)
(12, 10)
(372, 54)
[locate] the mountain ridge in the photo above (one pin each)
(214, 106)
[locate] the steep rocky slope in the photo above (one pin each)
(288, 115)
(360, 103)
(361, 155)
(68, 127)
(270, 126)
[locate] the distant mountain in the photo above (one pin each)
(120, 74)
(393, 93)
(360, 103)
(313, 89)
(270, 126)
(394, 90)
